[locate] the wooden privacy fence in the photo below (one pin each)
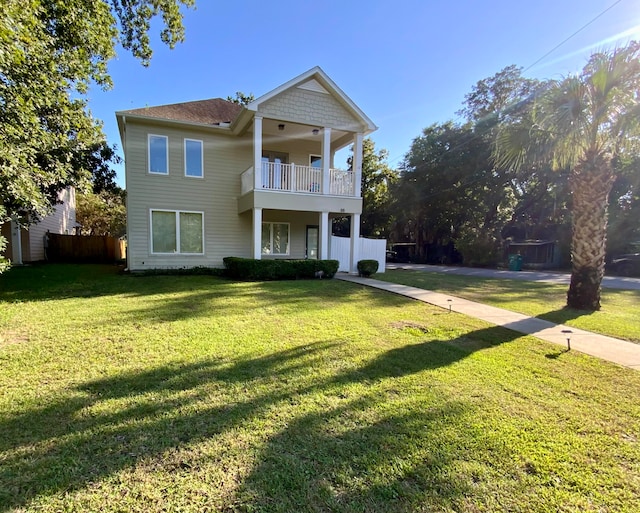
(84, 248)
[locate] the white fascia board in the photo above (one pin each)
(317, 73)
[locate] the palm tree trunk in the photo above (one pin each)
(590, 183)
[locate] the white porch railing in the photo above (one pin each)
(276, 176)
(341, 183)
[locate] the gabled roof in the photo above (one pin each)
(208, 112)
(216, 111)
(317, 78)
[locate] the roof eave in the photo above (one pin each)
(140, 117)
(317, 73)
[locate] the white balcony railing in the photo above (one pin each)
(276, 176)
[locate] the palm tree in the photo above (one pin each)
(582, 123)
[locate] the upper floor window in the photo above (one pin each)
(315, 161)
(193, 158)
(158, 154)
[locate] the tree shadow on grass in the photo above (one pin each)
(169, 298)
(378, 452)
(108, 425)
(338, 461)
(563, 315)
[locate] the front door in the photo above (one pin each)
(311, 248)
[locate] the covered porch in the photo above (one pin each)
(288, 234)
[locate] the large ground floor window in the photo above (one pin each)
(275, 238)
(177, 231)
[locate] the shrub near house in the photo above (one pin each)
(251, 269)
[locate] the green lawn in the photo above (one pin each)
(196, 394)
(619, 316)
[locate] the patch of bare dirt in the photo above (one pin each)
(403, 325)
(11, 337)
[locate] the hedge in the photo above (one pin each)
(367, 267)
(260, 270)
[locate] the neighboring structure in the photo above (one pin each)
(536, 254)
(209, 179)
(27, 244)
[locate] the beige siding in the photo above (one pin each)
(299, 151)
(225, 158)
(63, 221)
(310, 107)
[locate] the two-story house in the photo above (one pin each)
(209, 179)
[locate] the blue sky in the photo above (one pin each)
(405, 63)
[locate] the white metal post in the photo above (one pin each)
(324, 235)
(357, 164)
(257, 152)
(326, 159)
(257, 233)
(355, 242)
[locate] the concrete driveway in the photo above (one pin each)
(609, 282)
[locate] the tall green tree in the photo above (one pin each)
(51, 51)
(377, 177)
(241, 98)
(537, 191)
(623, 228)
(583, 123)
(102, 213)
(450, 192)
(493, 98)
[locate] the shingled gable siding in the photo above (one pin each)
(309, 107)
(225, 158)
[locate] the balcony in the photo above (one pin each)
(292, 178)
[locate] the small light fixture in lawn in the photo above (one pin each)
(449, 301)
(568, 334)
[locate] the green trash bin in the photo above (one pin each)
(515, 262)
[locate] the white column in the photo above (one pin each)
(355, 243)
(326, 159)
(257, 152)
(257, 233)
(323, 228)
(357, 164)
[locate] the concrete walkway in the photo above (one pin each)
(609, 282)
(612, 349)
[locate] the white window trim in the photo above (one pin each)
(149, 136)
(201, 157)
(271, 223)
(177, 213)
